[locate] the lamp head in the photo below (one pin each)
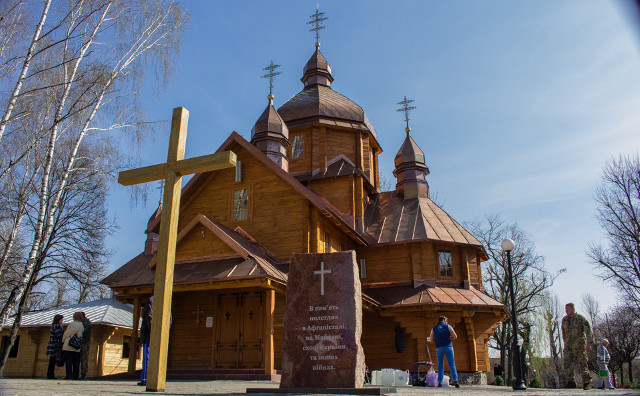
(507, 244)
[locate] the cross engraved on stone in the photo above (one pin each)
(321, 273)
(198, 311)
(251, 314)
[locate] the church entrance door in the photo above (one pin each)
(239, 330)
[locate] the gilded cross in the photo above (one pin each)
(272, 73)
(161, 189)
(321, 273)
(317, 19)
(198, 311)
(171, 172)
(406, 109)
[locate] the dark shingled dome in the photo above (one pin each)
(317, 99)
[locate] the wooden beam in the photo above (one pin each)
(269, 309)
(172, 172)
(133, 347)
(471, 339)
(202, 164)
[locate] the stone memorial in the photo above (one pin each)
(323, 323)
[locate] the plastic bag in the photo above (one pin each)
(432, 379)
(445, 381)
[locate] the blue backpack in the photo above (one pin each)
(442, 335)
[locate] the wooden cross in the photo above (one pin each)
(198, 311)
(321, 273)
(171, 172)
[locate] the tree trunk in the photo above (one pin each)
(25, 67)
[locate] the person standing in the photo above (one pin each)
(72, 355)
(86, 344)
(145, 337)
(603, 365)
(54, 345)
(577, 337)
(442, 334)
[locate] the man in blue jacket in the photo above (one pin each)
(442, 334)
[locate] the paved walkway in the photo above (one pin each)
(32, 386)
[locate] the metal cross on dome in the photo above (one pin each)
(406, 109)
(317, 19)
(272, 73)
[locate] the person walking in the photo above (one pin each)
(442, 334)
(72, 355)
(603, 365)
(86, 344)
(54, 345)
(577, 337)
(145, 337)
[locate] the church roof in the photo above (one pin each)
(338, 166)
(405, 296)
(321, 101)
(325, 207)
(409, 153)
(108, 311)
(390, 219)
(318, 103)
(270, 123)
(254, 261)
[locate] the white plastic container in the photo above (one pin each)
(375, 377)
(387, 377)
(402, 378)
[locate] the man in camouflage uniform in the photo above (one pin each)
(577, 337)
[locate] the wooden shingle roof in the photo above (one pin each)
(390, 219)
(405, 296)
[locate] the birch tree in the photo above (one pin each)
(105, 47)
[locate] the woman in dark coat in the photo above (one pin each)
(54, 345)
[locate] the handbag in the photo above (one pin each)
(75, 342)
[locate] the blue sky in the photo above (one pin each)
(519, 104)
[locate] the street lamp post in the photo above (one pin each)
(508, 245)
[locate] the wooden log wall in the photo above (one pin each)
(322, 144)
(215, 200)
(378, 342)
(278, 329)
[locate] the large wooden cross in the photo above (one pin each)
(171, 172)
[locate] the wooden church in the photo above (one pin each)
(314, 188)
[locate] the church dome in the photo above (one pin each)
(318, 100)
(269, 123)
(409, 154)
(271, 136)
(411, 170)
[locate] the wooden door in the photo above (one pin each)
(227, 329)
(239, 330)
(252, 327)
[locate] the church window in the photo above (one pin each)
(363, 268)
(241, 204)
(327, 242)
(297, 148)
(446, 267)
